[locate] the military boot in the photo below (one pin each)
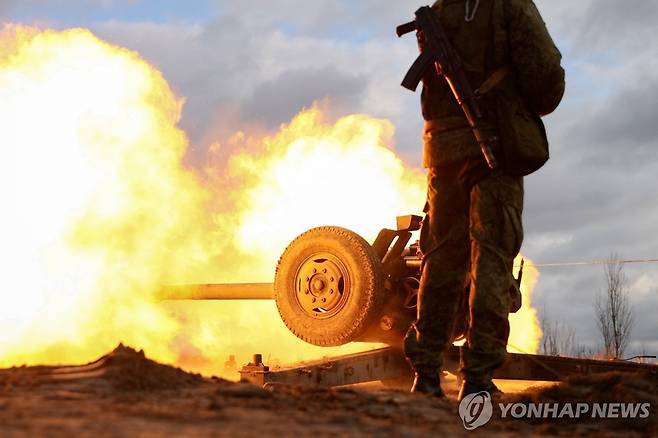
(472, 386)
(429, 384)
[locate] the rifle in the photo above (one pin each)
(439, 53)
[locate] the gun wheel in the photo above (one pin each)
(329, 286)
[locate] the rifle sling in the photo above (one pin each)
(450, 123)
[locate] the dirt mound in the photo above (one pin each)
(618, 387)
(123, 369)
(599, 389)
(128, 369)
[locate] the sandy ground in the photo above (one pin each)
(126, 394)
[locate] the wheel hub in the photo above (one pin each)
(321, 285)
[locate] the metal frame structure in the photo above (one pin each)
(389, 363)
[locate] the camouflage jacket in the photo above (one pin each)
(502, 34)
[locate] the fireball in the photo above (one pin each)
(98, 208)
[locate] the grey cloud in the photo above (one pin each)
(365, 18)
(606, 161)
(620, 24)
(630, 117)
(225, 60)
(74, 7)
(207, 64)
(278, 100)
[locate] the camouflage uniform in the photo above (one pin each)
(473, 230)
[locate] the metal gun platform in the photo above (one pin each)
(389, 364)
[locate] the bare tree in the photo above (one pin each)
(558, 339)
(614, 316)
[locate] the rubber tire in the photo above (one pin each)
(366, 297)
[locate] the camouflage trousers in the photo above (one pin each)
(470, 237)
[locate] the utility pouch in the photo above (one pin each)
(522, 135)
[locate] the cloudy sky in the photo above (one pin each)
(260, 62)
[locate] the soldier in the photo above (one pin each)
(473, 228)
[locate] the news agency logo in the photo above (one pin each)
(476, 410)
(557, 411)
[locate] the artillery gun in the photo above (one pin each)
(332, 287)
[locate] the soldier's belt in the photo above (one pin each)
(446, 124)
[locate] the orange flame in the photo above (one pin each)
(525, 330)
(97, 198)
(101, 210)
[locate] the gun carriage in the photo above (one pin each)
(332, 287)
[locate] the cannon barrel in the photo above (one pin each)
(236, 291)
(413, 262)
